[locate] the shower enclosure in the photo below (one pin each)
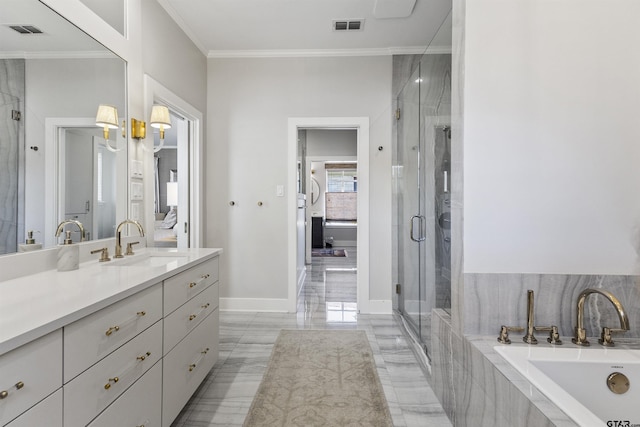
(9, 179)
(422, 193)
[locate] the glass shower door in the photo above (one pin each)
(423, 180)
(410, 205)
(9, 160)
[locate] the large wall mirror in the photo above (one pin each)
(54, 162)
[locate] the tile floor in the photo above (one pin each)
(329, 302)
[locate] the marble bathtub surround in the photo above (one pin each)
(493, 299)
(477, 387)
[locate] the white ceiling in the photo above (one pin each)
(281, 27)
(58, 36)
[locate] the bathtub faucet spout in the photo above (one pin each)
(580, 337)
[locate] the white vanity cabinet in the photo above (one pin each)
(93, 337)
(46, 413)
(131, 354)
(96, 388)
(28, 374)
(138, 406)
(191, 334)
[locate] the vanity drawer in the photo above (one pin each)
(186, 365)
(46, 413)
(183, 286)
(28, 374)
(138, 406)
(188, 316)
(93, 390)
(90, 339)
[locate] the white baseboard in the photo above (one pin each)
(254, 304)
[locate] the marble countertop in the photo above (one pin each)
(35, 305)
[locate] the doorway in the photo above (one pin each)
(171, 184)
(361, 126)
(186, 131)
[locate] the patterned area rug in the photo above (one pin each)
(320, 378)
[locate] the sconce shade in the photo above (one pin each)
(172, 194)
(160, 117)
(107, 117)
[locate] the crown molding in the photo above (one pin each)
(173, 14)
(310, 53)
(99, 54)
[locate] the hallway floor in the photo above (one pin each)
(329, 302)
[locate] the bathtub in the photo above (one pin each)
(575, 379)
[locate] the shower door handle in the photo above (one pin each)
(421, 237)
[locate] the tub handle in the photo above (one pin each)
(554, 335)
(606, 338)
(504, 333)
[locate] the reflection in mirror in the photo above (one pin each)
(112, 12)
(166, 180)
(49, 69)
(90, 201)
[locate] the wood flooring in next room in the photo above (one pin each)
(328, 302)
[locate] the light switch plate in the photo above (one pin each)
(280, 190)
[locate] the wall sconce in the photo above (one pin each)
(107, 118)
(172, 194)
(138, 129)
(160, 119)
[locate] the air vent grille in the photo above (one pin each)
(348, 24)
(26, 29)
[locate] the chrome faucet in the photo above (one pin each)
(71, 221)
(119, 235)
(580, 337)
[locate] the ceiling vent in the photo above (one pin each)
(348, 24)
(26, 29)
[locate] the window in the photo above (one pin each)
(342, 181)
(341, 198)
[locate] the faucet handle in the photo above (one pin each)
(104, 256)
(503, 338)
(130, 248)
(554, 335)
(605, 337)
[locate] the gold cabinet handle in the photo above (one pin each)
(5, 393)
(107, 386)
(203, 277)
(202, 354)
(114, 380)
(116, 328)
(202, 308)
(144, 356)
(112, 330)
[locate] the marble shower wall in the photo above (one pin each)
(491, 300)
(12, 88)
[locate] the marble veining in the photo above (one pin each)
(11, 149)
(491, 300)
(477, 387)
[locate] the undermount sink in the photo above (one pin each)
(150, 259)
